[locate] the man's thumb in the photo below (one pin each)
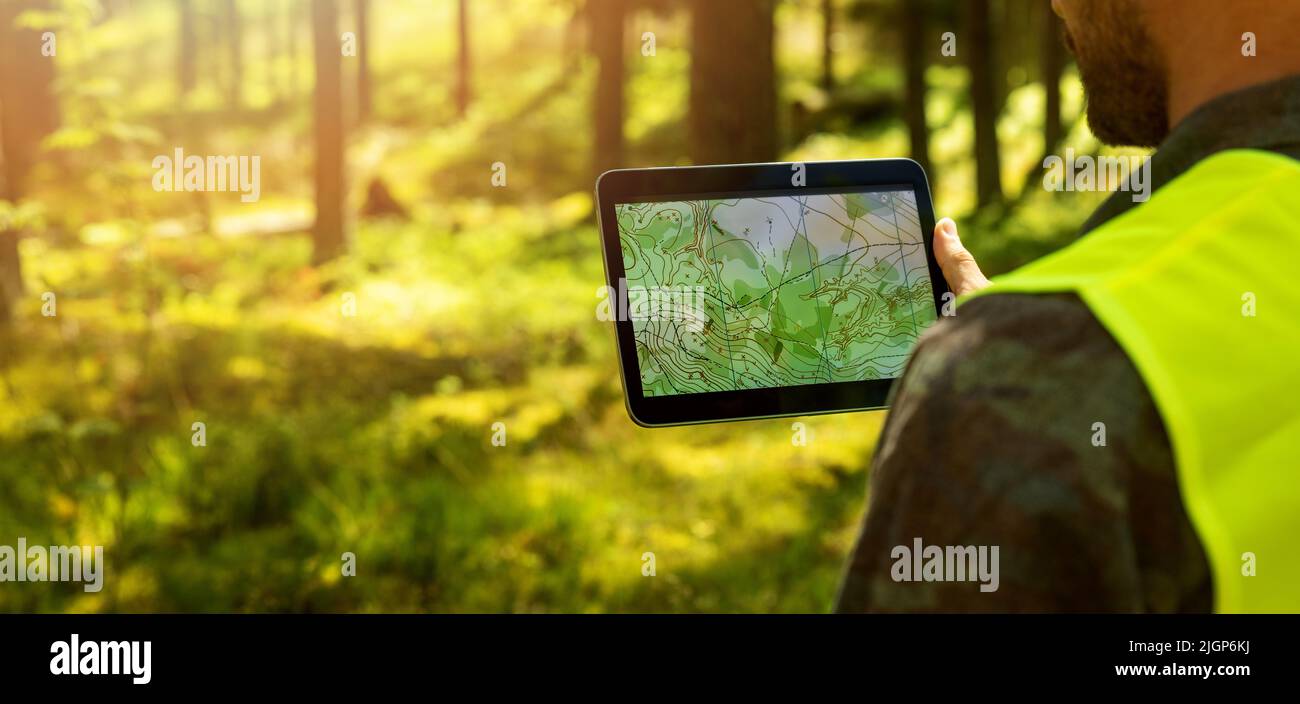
(958, 264)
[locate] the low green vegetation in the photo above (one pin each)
(351, 407)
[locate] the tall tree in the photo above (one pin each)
(463, 89)
(186, 44)
(605, 22)
(977, 46)
(362, 9)
(271, 50)
(914, 65)
(28, 112)
(294, 18)
(828, 48)
(233, 30)
(733, 82)
(1052, 65)
(328, 235)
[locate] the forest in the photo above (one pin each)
(288, 281)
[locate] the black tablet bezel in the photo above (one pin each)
(700, 182)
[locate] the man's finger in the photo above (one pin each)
(958, 264)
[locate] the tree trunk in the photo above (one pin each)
(328, 236)
(271, 50)
(187, 40)
(294, 18)
(363, 60)
(914, 65)
(828, 51)
(605, 21)
(976, 44)
(463, 90)
(733, 82)
(11, 275)
(234, 43)
(1053, 65)
(29, 111)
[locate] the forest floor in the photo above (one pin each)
(351, 408)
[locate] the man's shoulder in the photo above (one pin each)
(1028, 387)
(995, 339)
(993, 438)
(1049, 316)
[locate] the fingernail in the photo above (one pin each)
(949, 227)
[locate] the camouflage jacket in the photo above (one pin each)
(989, 440)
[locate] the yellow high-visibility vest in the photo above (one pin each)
(1200, 286)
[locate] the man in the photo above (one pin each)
(1121, 418)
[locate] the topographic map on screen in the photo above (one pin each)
(792, 289)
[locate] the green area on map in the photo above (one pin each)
(797, 289)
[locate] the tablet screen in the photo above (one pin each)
(734, 293)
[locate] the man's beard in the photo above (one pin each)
(1123, 78)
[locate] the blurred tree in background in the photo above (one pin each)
(28, 112)
(733, 81)
(327, 234)
(420, 267)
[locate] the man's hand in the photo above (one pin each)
(958, 264)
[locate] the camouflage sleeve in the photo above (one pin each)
(993, 440)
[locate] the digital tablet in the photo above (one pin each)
(766, 290)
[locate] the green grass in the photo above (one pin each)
(372, 434)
